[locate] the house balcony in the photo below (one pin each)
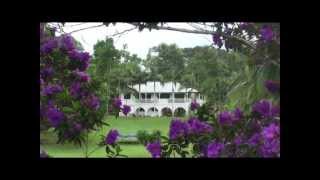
(163, 101)
(179, 100)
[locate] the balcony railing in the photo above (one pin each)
(148, 100)
(176, 100)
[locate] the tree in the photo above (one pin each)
(169, 63)
(153, 71)
(106, 58)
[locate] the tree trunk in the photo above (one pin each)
(119, 88)
(186, 100)
(139, 94)
(108, 98)
(126, 90)
(154, 96)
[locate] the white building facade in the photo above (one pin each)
(158, 100)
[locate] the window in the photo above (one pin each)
(127, 96)
(164, 96)
(179, 95)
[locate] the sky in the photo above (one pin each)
(137, 42)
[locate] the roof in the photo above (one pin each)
(166, 87)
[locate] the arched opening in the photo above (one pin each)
(140, 112)
(166, 112)
(153, 112)
(179, 112)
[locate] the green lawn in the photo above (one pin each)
(123, 125)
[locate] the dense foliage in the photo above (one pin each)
(69, 99)
(227, 134)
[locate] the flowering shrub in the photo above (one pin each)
(112, 137)
(229, 134)
(230, 118)
(155, 149)
(272, 86)
(214, 149)
(126, 109)
(113, 149)
(69, 99)
(117, 106)
(194, 105)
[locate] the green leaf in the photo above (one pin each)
(76, 104)
(107, 149)
(118, 149)
(165, 138)
(67, 109)
(104, 123)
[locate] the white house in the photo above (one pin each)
(155, 99)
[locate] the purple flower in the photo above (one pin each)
(178, 129)
(270, 148)
(117, 103)
(272, 86)
(75, 89)
(237, 115)
(265, 109)
(48, 47)
(84, 56)
(92, 102)
(254, 139)
(82, 76)
(270, 132)
(82, 59)
(73, 54)
(266, 33)
(194, 105)
(126, 109)
(155, 149)
(214, 149)
(68, 43)
(55, 116)
(195, 126)
(46, 72)
(85, 60)
(112, 137)
(229, 118)
(217, 40)
(225, 118)
(51, 89)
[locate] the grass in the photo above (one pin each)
(124, 125)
